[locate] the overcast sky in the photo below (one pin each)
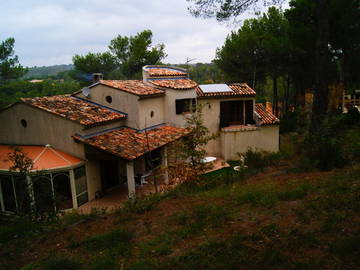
(49, 32)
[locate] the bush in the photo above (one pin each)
(258, 160)
(333, 144)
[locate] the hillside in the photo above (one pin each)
(46, 71)
(276, 218)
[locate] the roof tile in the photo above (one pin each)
(174, 83)
(75, 109)
(265, 117)
(164, 71)
(135, 87)
(130, 144)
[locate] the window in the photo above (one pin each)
(152, 114)
(185, 105)
(108, 99)
(23, 123)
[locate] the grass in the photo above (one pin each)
(58, 263)
(223, 221)
(117, 239)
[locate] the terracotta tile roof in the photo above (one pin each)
(264, 116)
(130, 144)
(165, 71)
(174, 83)
(43, 157)
(75, 109)
(135, 87)
(238, 89)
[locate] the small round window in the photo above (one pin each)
(152, 114)
(108, 99)
(23, 123)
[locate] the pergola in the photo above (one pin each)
(57, 180)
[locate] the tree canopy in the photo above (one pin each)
(125, 58)
(10, 67)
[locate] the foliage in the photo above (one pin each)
(125, 59)
(258, 160)
(328, 148)
(204, 73)
(132, 53)
(9, 63)
(11, 92)
(95, 63)
(46, 72)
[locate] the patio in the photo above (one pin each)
(118, 196)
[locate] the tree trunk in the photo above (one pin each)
(275, 96)
(287, 93)
(320, 102)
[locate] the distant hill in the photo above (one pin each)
(45, 72)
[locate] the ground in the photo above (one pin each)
(279, 218)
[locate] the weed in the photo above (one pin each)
(105, 262)
(117, 239)
(296, 193)
(159, 246)
(140, 206)
(60, 263)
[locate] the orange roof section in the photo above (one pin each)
(43, 157)
(174, 83)
(266, 117)
(75, 109)
(129, 144)
(135, 87)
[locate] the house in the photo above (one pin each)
(101, 136)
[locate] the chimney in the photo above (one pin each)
(97, 77)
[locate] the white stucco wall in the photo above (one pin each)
(211, 116)
(171, 96)
(148, 105)
(93, 177)
(121, 101)
(42, 128)
(265, 138)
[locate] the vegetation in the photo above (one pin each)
(269, 215)
(10, 69)
(125, 59)
(13, 91)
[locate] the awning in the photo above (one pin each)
(43, 157)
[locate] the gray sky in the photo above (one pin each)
(51, 32)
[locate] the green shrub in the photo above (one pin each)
(142, 205)
(258, 160)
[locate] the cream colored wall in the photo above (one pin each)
(211, 117)
(265, 138)
(42, 128)
(93, 178)
(121, 101)
(170, 105)
(146, 106)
